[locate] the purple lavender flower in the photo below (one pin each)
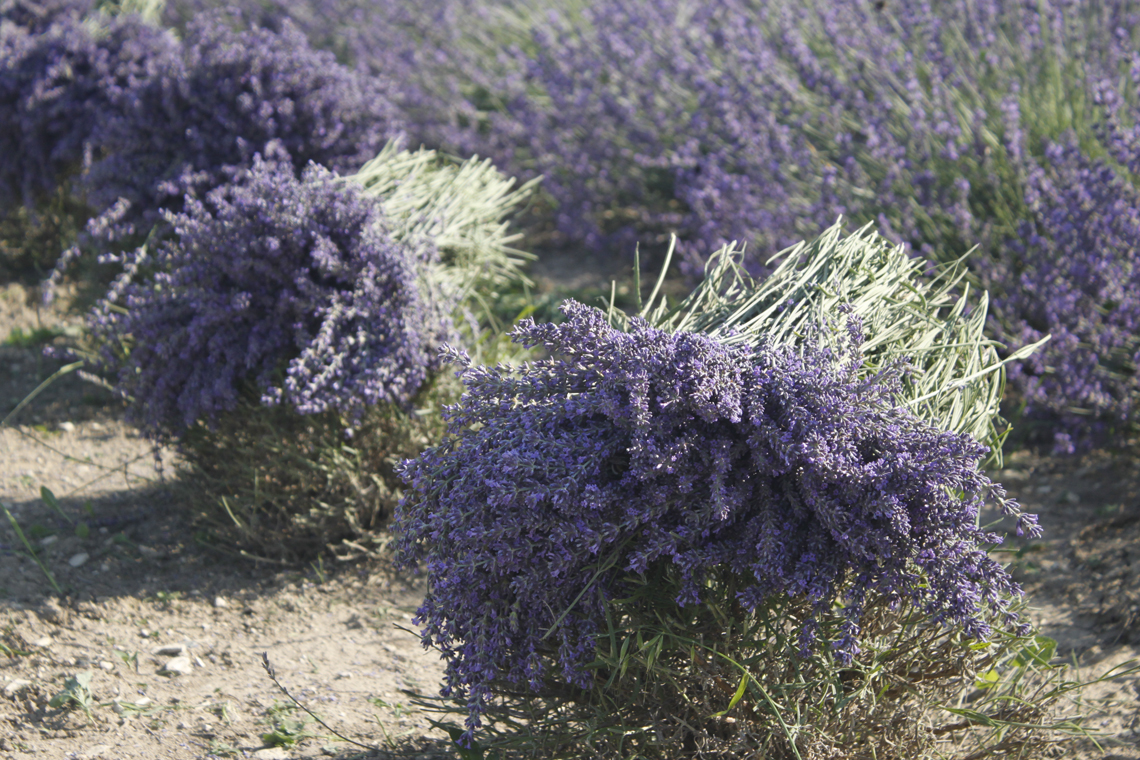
(1074, 273)
(35, 17)
(632, 451)
(289, 288)
(222, 101)
(56, 85)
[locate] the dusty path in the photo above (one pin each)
(143, 599)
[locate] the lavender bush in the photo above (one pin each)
(1073, 272)
(319, 309)
(737, 471)
(285, 332)
(210, 110)
(58, 80)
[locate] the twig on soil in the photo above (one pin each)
(265, 663)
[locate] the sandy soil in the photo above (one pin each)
(170, 632)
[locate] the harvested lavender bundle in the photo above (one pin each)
(630, 451)
(291, 286)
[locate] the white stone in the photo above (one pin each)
(48, 540)
(106, 665)
(67, 427)
(220, 601)
(42, 642)
(272, 753)
(78, 560)
(178, 666)
(149, 553)
(15, 687)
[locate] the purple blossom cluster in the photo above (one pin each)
(59, 80)
(222, 101)
(632, 450)
(1073, 273)
(290, 288)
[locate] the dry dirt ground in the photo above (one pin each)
(151, 646)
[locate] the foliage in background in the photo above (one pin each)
(622, 526)
(762, 122)
(1074, 271)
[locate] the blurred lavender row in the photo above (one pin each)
(1007, 125)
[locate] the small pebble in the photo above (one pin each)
(106, 665)
(67, 427)
(42, 643)
(48, 540)
(78, 560)
(220, 602)
(169, 650)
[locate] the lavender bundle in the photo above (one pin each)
(285, 333)
(647, 500)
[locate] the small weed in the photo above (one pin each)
(166, 597)
(12, 651)
(76, 693)
(272, 673)
(222, 711)
(398, 709)
(287, 728)
(319, 569)
(82, 531)
(31, 552)
(130, 660)
(44, 430)
(146, 709)
(48, 498)
(1108, 510)
(39, 532)
(219, 748)
(39, 336)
